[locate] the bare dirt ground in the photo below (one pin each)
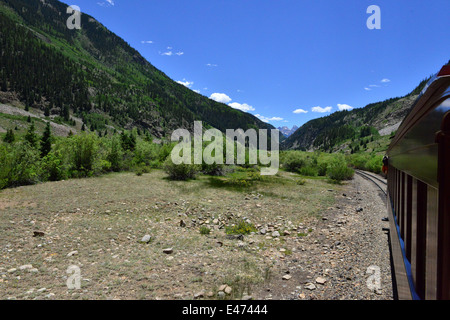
(312, 241)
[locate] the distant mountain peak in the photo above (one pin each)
(286, 131)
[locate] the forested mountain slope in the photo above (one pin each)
(95, 75)
(351, 130)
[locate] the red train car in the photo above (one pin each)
(419, 195)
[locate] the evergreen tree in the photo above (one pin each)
(46, 141)
(9, 138)
(31, 136)
(4, 84)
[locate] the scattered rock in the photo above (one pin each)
(287, 277)
(275, 234)
(168, 250)
(26, 266)
(146, 238)
(246, 297)
(241, 244)
(228, 290)
(310, 286)
(72, 253)
(235, 237)
(200, 294)
(321, 280)
(182, 224)
(38, 234)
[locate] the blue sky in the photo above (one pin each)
(274, 57)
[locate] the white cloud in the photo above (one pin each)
(385, 80)
(220, 97)
(367, 89)
(321, 110)
(241, 106)
(146, 41)
(374, 86)
(266, 119)
(170, 53)
(300, 111)
(106, 3)
(211, 65)
(344, 107)
(197, 91)
(186, 83)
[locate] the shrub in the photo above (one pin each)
(242, 227)
(213, 169)
(205, 230)
(238, 183)
(322, 169)
(84, 150)
(180, 171)
(293, 161)
(368, 162)
(21, 165)
(115, 154)
(309, 171)
(338, 170)
(54, 167)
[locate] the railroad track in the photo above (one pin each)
(379, 182)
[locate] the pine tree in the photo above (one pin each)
(4, 84)
(31, 136)
(9, 138)
(46, 141)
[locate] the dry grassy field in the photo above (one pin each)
(98, 224)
